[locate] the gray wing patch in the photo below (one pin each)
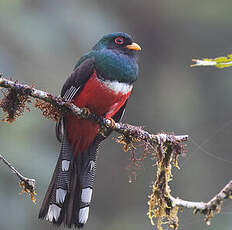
(70, 93)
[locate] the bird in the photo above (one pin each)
(101, 82)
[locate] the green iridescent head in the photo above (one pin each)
(116, 57)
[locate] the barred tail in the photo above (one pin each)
(70, 191)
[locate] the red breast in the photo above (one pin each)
(103, 98)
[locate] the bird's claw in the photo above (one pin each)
(104, 129)
(85, 112)
(111, 124)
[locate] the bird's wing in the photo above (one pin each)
(77, 79)
(73, 86)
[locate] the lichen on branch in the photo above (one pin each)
(130, 144)
(208, 209)
(27, 184)
(160, 205)
(14, 103)
(64, 106)
(49, 111)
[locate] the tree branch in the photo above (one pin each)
(27, 184)
(64, 106)
(206, 208)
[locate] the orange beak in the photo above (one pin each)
(133, 46)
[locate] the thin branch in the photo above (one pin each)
(219, 62)
(27, 183)
(206, 208)
(63, 105)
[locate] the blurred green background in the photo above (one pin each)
(40, 42)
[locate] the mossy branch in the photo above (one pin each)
(162, 205)
(27, 184)
(207, 209)
(63, 106)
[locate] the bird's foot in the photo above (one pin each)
(86, 112)
(112, 124)
(104, 130)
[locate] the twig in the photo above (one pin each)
(27, 183)
(206, 208)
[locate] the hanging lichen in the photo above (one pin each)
(48, 110)
(160, 205)
(14, 104)
(130, 145)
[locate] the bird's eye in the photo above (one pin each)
(119, 40)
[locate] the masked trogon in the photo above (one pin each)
(101, 81)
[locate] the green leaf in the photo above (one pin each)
(219, 62)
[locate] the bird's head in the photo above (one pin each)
(118, 42)
(116, 57)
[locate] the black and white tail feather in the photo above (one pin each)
(69, 194)
(70, 191)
